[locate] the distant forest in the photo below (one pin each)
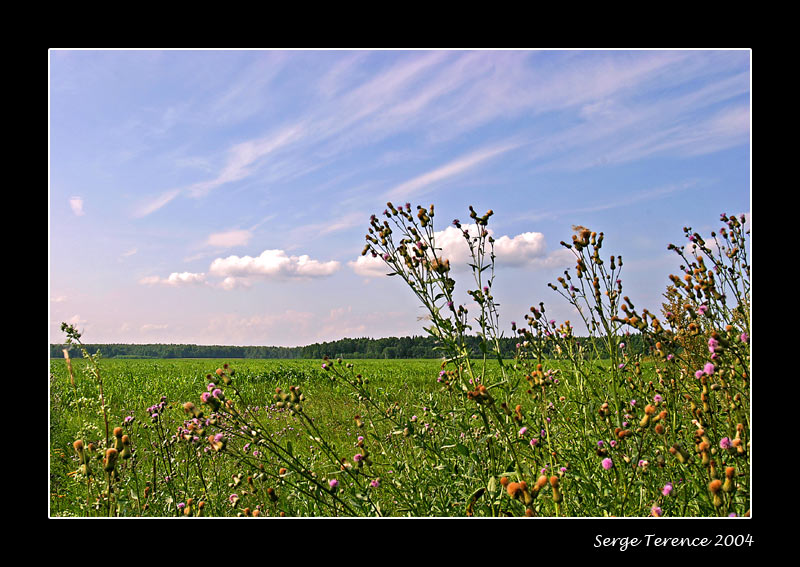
(390, 347)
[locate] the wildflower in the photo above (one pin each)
(607, 463)
(667, 490)
(698, 374)
(712, 344)
(708, 368)
(725, 443)
(534, 441)
(702, 309)
(522, 431)
(358, 457)
(657, 398)
(656, 511)
(375, 483)
(744, 338)
(333, 483)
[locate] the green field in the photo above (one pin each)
(429, 453)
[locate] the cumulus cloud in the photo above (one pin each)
(369, 267)
(175, 279)
(523, 250)
(230, 283)
(234, 272)
(272, 263)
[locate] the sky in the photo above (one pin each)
(222, 197)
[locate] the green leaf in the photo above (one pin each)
(462, 450)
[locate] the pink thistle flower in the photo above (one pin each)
(333, 483)
(698, 374)
(375, 483)
(358, 457)
(667, 490)
(607, 463)
(702, 309)
(656, 511)
(708, 368)
(522, 431)
(725, 443)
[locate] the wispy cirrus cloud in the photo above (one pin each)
(633, 198)
(241, 162)
(229, 238)
(421, 183)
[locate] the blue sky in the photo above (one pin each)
(222, 197)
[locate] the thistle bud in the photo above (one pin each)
(110, 460)
(126, 447)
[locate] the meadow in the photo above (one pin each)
(594, 430)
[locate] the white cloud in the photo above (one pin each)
(455, 167)
(242, 162)
(230, 283)
(523, 250)
(175, 279)
(76, 204)
(229, 239)
(369, 266)
(157, 203)
(272, 263)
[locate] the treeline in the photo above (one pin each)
(390, 347)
